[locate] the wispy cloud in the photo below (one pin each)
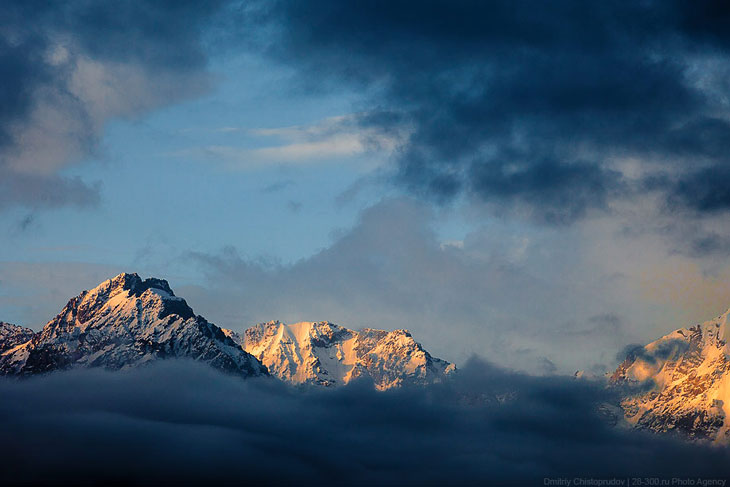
(333, 139)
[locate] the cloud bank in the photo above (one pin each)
(184, 423)
(554, 111)
(77, 65)
(528, 300)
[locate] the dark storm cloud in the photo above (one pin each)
(179, 423)
(22, 70)
(707, 190)
(530, 105)
(68, 67)
(156, 32)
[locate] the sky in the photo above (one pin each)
(538, 186)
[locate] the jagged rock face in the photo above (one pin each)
(686, 372)
(326, 354)
(13, 335)
(126, 322)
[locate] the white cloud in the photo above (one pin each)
(69, 116)
(331, 140)
(516, 297)
(74, 68)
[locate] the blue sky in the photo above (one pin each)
(542, 197)
(160, 189)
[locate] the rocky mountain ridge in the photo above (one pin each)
(124, 322)
(685, 379)
(326, 354)
(682, 378)
(127, 322)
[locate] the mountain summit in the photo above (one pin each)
(123, 322)
(687, 373)
(326, 354)
(127, 321)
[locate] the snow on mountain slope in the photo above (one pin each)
(13, 335)
(327, 354)
(125, 322)
(687, 372)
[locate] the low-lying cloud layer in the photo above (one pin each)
(183, 423)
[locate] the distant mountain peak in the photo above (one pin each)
(324, 353)
(688, 372)
(131, 286)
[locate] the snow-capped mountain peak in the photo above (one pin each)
(327, 354)
(124, 322)
(128, 321)
(687, 373)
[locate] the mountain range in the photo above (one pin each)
(127, 322)
(680, 382)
